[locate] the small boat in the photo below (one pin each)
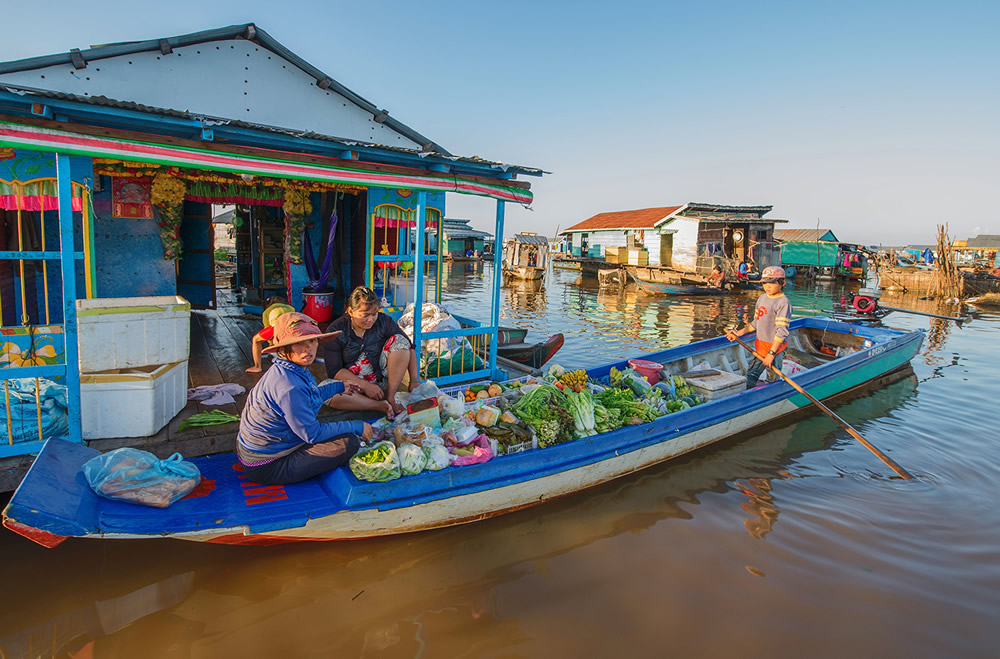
(667, 288)
(531, 354)
(525, 256)
(54, 500)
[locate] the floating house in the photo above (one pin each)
(820, 254)
(692, 237)
(111, 160)
(460, 239)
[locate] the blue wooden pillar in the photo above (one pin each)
(68, 267)
(418, 275)
(497, 275)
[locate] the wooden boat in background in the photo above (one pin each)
(54, 501)
(667, 288)
(525, 256)
(531, 354)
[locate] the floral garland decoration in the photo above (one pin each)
(297, 207)
(168, 198)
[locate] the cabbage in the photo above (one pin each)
(437, 456)
(411, 459)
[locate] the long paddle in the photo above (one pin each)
(957, 319)
(843, 424)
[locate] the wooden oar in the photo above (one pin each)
(830, 413)
(957, 319)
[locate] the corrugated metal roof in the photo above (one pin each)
(984, 241)
(250, 32)
(247, 31)
(103, 101)
(644, 218)
(454, 228)
(804, 234)
(531, 239)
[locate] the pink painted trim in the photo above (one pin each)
(392, 223)
(9, 203)
(31, 136)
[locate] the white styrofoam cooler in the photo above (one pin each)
(714, 387)
(129, 332)
(132, 402)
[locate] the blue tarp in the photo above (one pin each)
(24, 409)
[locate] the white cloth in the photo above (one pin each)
(216, 394)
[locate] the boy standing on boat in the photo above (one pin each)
(771, 316)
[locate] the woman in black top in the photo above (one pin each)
(371, 351)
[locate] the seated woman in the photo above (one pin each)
(371, 352)
(716, 279)
(280, 439)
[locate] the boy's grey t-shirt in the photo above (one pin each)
(770, 320)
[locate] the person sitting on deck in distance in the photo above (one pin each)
(280, 439)
(742, 271)
(276, 307)
(372, 352)
(716, 279)
(771, 316)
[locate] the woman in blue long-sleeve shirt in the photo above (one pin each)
(280, 438)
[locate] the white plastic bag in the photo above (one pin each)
(412, 459)
(437, 456)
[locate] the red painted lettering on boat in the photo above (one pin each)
(267, 498)
(262, 489)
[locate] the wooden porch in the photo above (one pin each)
(221, 342)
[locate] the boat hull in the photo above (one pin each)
(56, 501)
(533, 355)
(524, 272)
(665, 288)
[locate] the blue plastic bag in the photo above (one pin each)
(128, 474)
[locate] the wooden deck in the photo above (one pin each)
(220, 353)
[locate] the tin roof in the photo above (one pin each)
(11, 80)
(644, 218)
(809, 235)
(531, 239)
(983, 241)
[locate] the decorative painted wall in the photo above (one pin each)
(128, 253)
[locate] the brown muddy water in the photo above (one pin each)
(791, 541)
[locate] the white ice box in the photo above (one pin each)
(713, 387)
(129, 332)
(134, 402)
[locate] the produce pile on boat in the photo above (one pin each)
(486, 420)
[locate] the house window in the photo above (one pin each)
(636, 239)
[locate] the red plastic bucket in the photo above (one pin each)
(319, 306)
(648, 370)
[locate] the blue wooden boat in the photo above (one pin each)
(54, 501)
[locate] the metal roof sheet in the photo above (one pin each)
(245, 31)
(804, 234)
(531, 239)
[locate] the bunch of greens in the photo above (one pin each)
(210, 418)
(581, 405)
(544, 409)
(631, 410)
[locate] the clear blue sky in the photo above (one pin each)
(878, 120)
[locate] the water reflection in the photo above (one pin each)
(437, 593)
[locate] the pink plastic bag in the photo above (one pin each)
(481, 453)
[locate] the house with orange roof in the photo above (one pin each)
(692, 237)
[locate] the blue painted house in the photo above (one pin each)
(112, 158)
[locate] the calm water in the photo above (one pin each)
(789, 542)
